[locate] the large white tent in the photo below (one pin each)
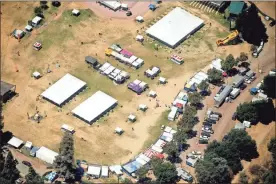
(46, 155)
(15, 142)
(175, 27)
(94, 106)
(63, 89)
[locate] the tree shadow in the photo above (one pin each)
(6, 136)
(266, 111)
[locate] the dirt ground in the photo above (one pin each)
(62, 45)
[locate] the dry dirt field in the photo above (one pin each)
(62, 45)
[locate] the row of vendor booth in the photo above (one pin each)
(113, 73)
(124, 56)
(154, 150)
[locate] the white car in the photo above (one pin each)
(248, 81)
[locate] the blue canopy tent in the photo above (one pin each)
(253, 91)
(152, 7)
(131, 167)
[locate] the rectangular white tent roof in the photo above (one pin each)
(175, 27)
(104, 171)
(94, 170)
(63, 89)
(46, 155)
(94, 106)
(15, 142)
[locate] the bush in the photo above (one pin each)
(38, 10)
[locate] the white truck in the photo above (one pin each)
(256, 53)
(234, 93)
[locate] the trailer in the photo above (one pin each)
(237, 81)
(235, 93)
(221, 97)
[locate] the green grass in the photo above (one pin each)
(220, 19)
(58, 32)
(155, 131)
(68, 18)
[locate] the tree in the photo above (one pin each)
(64, 162)
(172, 150)
(165, 173)
(56, 3)
(127, 181)
(257, 170)
(38, 10)
(250, 25)
(243, 179)
(265, 111)
(213, 171)
(214, 76)
(269, 86)
(142, 174)
(228, 63)
(180, 138)
(245, 145)
(247, 112)
(243, 56)
(188, 119)
(272, 148)
(10, 171)
(33, 178)
(203, 86)
(195, 98)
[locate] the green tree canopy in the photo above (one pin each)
(228, 63)
(165, 173)
(142, 174)
(38, 10)
(172, 150)
(213, 171)
(33, 178)
(269, 86)
(243, 178)
(188, 120)
(64, 162)
(272, 148)
(195, 98)
(247, 112)
(204, 85)
(214, 76)
(10, 171)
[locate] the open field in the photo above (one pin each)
(61, 36)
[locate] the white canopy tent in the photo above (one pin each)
(132, 118)
(143, 107)
(94, 171)
(75, 12)
(15, 142)
(176, 26)
(117, 169)
(94, 106)
(63, 89)
(139, 19)
(152, 94)
(46, 155)
(104, 173)
(139, 38)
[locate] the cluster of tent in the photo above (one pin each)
(178, 105)
(191, 85)
(137, 86)
(124, 56)
(154, 150)
(113, 73)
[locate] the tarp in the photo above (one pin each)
(117, 169)
(126, 53)
(94, 171)
(46, 155)
(132, 166)
(104, 171)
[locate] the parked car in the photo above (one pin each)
(248, 81)
(206, 123)
(243, 86)
(272, 23)
(217, 113)
(208, 127)
(27, 163)
(207, 130)
(128, 13)
(234, 116)
(207, 134)
(210, 121)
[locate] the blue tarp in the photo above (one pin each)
(51, 177)
(253, 90)
(132, 167)
(191, 89)
(33, 151)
